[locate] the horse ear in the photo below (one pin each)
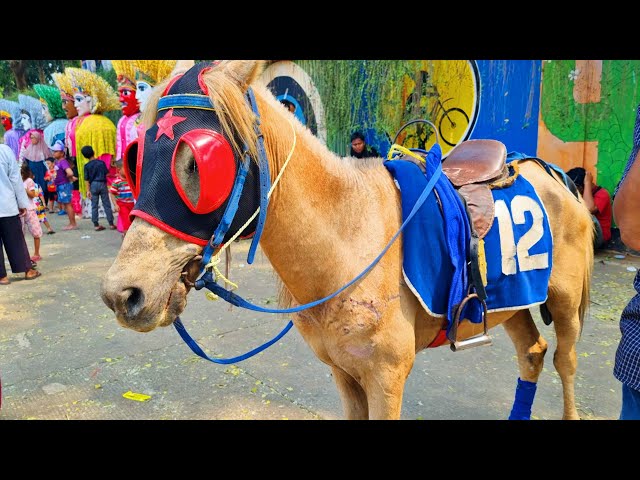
(244, 72)
(181, 67)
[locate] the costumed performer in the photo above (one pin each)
(128, 122)
(11, 121)
(55, 116)
(92, 97)
(148, 74)
(32, 120)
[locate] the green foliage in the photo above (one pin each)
(37, 71)
(14, 96)
(110, 76)
(6, 78)
(360, 92)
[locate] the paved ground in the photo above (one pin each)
(63, 355)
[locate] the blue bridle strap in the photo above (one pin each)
(265, 179)
(185, 101)
(206, 281)
(229, 213)
(232, 206)
(195, 348)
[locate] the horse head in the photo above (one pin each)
(196, 134)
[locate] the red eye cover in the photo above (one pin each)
(216, 168)
(130, 164)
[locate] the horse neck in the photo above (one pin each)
(328, 218)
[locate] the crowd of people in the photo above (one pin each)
(62, 156)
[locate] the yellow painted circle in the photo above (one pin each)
(445, 92)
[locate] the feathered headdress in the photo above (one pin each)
(63, 82)
(12, 108)
(51, 96)
(153, 71)
(126, 73)
(89, 83)
(34, 108)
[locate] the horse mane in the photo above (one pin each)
(227, 94)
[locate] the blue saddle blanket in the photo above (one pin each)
(518, 246)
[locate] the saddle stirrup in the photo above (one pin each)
(476, 340)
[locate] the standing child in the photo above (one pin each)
(30, 220)
(64, 183)
(76, 197)
(49, 178)
(41, 209)
(95, 176)
(122, 197)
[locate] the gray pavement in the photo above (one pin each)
(63, 355)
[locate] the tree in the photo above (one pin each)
(19, 75)
(19, 69)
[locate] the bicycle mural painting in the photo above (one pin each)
(426, 102)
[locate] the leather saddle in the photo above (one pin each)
(472, 167)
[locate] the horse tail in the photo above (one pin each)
(586, 280)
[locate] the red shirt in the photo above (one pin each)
(602, 201)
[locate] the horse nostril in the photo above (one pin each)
(133, 300)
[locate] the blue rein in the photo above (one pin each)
(206, 280)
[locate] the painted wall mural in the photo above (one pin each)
(567, 112)
(462, 98)
(587, 114)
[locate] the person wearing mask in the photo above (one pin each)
(13, 204)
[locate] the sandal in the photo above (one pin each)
(112, 227)
(70, 227)
(31, 277)
(5, 281)
(99, 228)
(36, 258)
(51, 232)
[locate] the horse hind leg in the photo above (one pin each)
(530, 348)
(565, 358)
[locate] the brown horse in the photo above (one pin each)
(328, 218)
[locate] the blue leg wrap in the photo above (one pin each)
(525, 393)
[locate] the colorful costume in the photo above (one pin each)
(63, 82)
(32, 119)
(121, 190)
(53, 113)
(94, 128)
(148, 73)
(127, 125)
(10, 113)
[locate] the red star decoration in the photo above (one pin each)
(166, 123)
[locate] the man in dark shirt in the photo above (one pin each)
(626, 204)
(359, 148)
(95, 177)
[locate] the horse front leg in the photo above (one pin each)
(385, 392)
(374, 387)
(372, 371)
(384, 378)
(530, 348)
(354, 399)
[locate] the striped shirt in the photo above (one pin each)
(121, 190)
(627, 364)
